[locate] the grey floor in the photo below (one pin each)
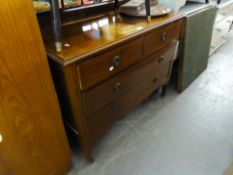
(182, 134)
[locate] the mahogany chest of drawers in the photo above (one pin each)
(124, 65)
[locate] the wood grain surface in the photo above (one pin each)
(88, 37)
(116, 86)
(117, 108)
(33, 138)
(96, 70)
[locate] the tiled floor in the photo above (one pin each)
(182, 134)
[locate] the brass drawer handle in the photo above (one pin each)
(115, 62)
(115, 108)
(163, 36)
(117, 87)
(161, 59)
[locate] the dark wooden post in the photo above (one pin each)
(56, 22)
(116, 4)
(148, 14)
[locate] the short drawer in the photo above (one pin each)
(224, 24)
(108, 115)
(218, 34)
(157, 64)
(109, 63)
(156, 40)
(220, 30)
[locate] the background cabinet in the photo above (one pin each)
(222, 25)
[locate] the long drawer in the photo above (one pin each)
(157, 64)
(109, 63)
(158, 39)
(108, 115)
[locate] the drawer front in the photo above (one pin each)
(162, 37)
(224, 24)
(216, 43)
(218, 34)
(218, 39)
(157, 64)
(109, 63)
(107, 116)
(220, 30)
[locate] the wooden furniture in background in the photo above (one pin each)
(32, 137)
(108, 66)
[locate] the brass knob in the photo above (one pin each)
(163, 36)
(117, 87)
(161, 59)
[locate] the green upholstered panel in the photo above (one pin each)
(198, 32)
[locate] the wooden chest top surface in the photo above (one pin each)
(88, 37)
